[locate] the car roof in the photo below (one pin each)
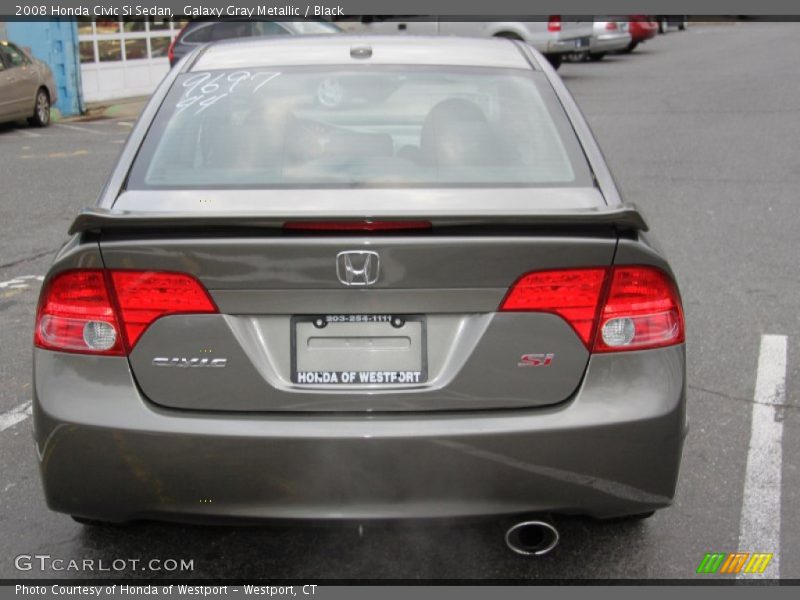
(385, 50)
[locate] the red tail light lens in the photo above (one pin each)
(75, 314)
(611, 26)
(105, 312)
(573, 294)
(641, 309)
(554, 23)
(144, 296)
(171, 49)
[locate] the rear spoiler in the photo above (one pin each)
(626, 217)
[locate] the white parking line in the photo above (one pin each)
(760, 524)
(21, 282)
(15, 415)
(78, 128)
(27, 133)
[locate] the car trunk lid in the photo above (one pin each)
(293, 335)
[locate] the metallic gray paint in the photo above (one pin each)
(231, 262)
(106, 452)
(335, 50)
(472, 364)
(605, 438)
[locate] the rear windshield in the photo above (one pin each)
(359, 127)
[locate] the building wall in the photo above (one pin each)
(56, 43)
(122, 58)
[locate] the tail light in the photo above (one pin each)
(572, 294)
(611, 26)
(554, 23)
(611, 309)
(144, 296)
(92, 311)
(642, 310)
(171, 50)
(75, 314)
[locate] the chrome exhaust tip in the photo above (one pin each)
(532, 538)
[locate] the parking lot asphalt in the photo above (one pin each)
(702, 131)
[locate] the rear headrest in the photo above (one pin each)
(456, 133)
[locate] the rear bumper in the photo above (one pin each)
(105, 452)
(644, 33)
(561, 46)
(609, 42)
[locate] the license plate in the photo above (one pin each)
(359, 349)
(582, 42)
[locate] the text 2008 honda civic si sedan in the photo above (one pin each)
(359, 278)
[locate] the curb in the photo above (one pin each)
(126, 108)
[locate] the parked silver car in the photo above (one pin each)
(552, 37)
(354, 277)
(27, 88)
(610, 35)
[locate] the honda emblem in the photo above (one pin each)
(358, 267)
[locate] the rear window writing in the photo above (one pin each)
(368, 126)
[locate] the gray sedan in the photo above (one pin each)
(27, 89)
(360, 278)
(610, 35)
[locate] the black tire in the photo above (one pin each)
(41, 109)
(554, 60)
(597, 56)
(631, 47)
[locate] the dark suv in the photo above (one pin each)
(200, 32)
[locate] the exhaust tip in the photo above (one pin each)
(532, 538)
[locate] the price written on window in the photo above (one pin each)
(206, 89)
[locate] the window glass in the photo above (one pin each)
(84, 25)
(133, 25)
(135, 49)
(106, 26)
(226, 30)
(268, 28)
(387, 126)
(14, 56)
(199, 35)
(86, 51)
(109, 50)
(159, 46)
